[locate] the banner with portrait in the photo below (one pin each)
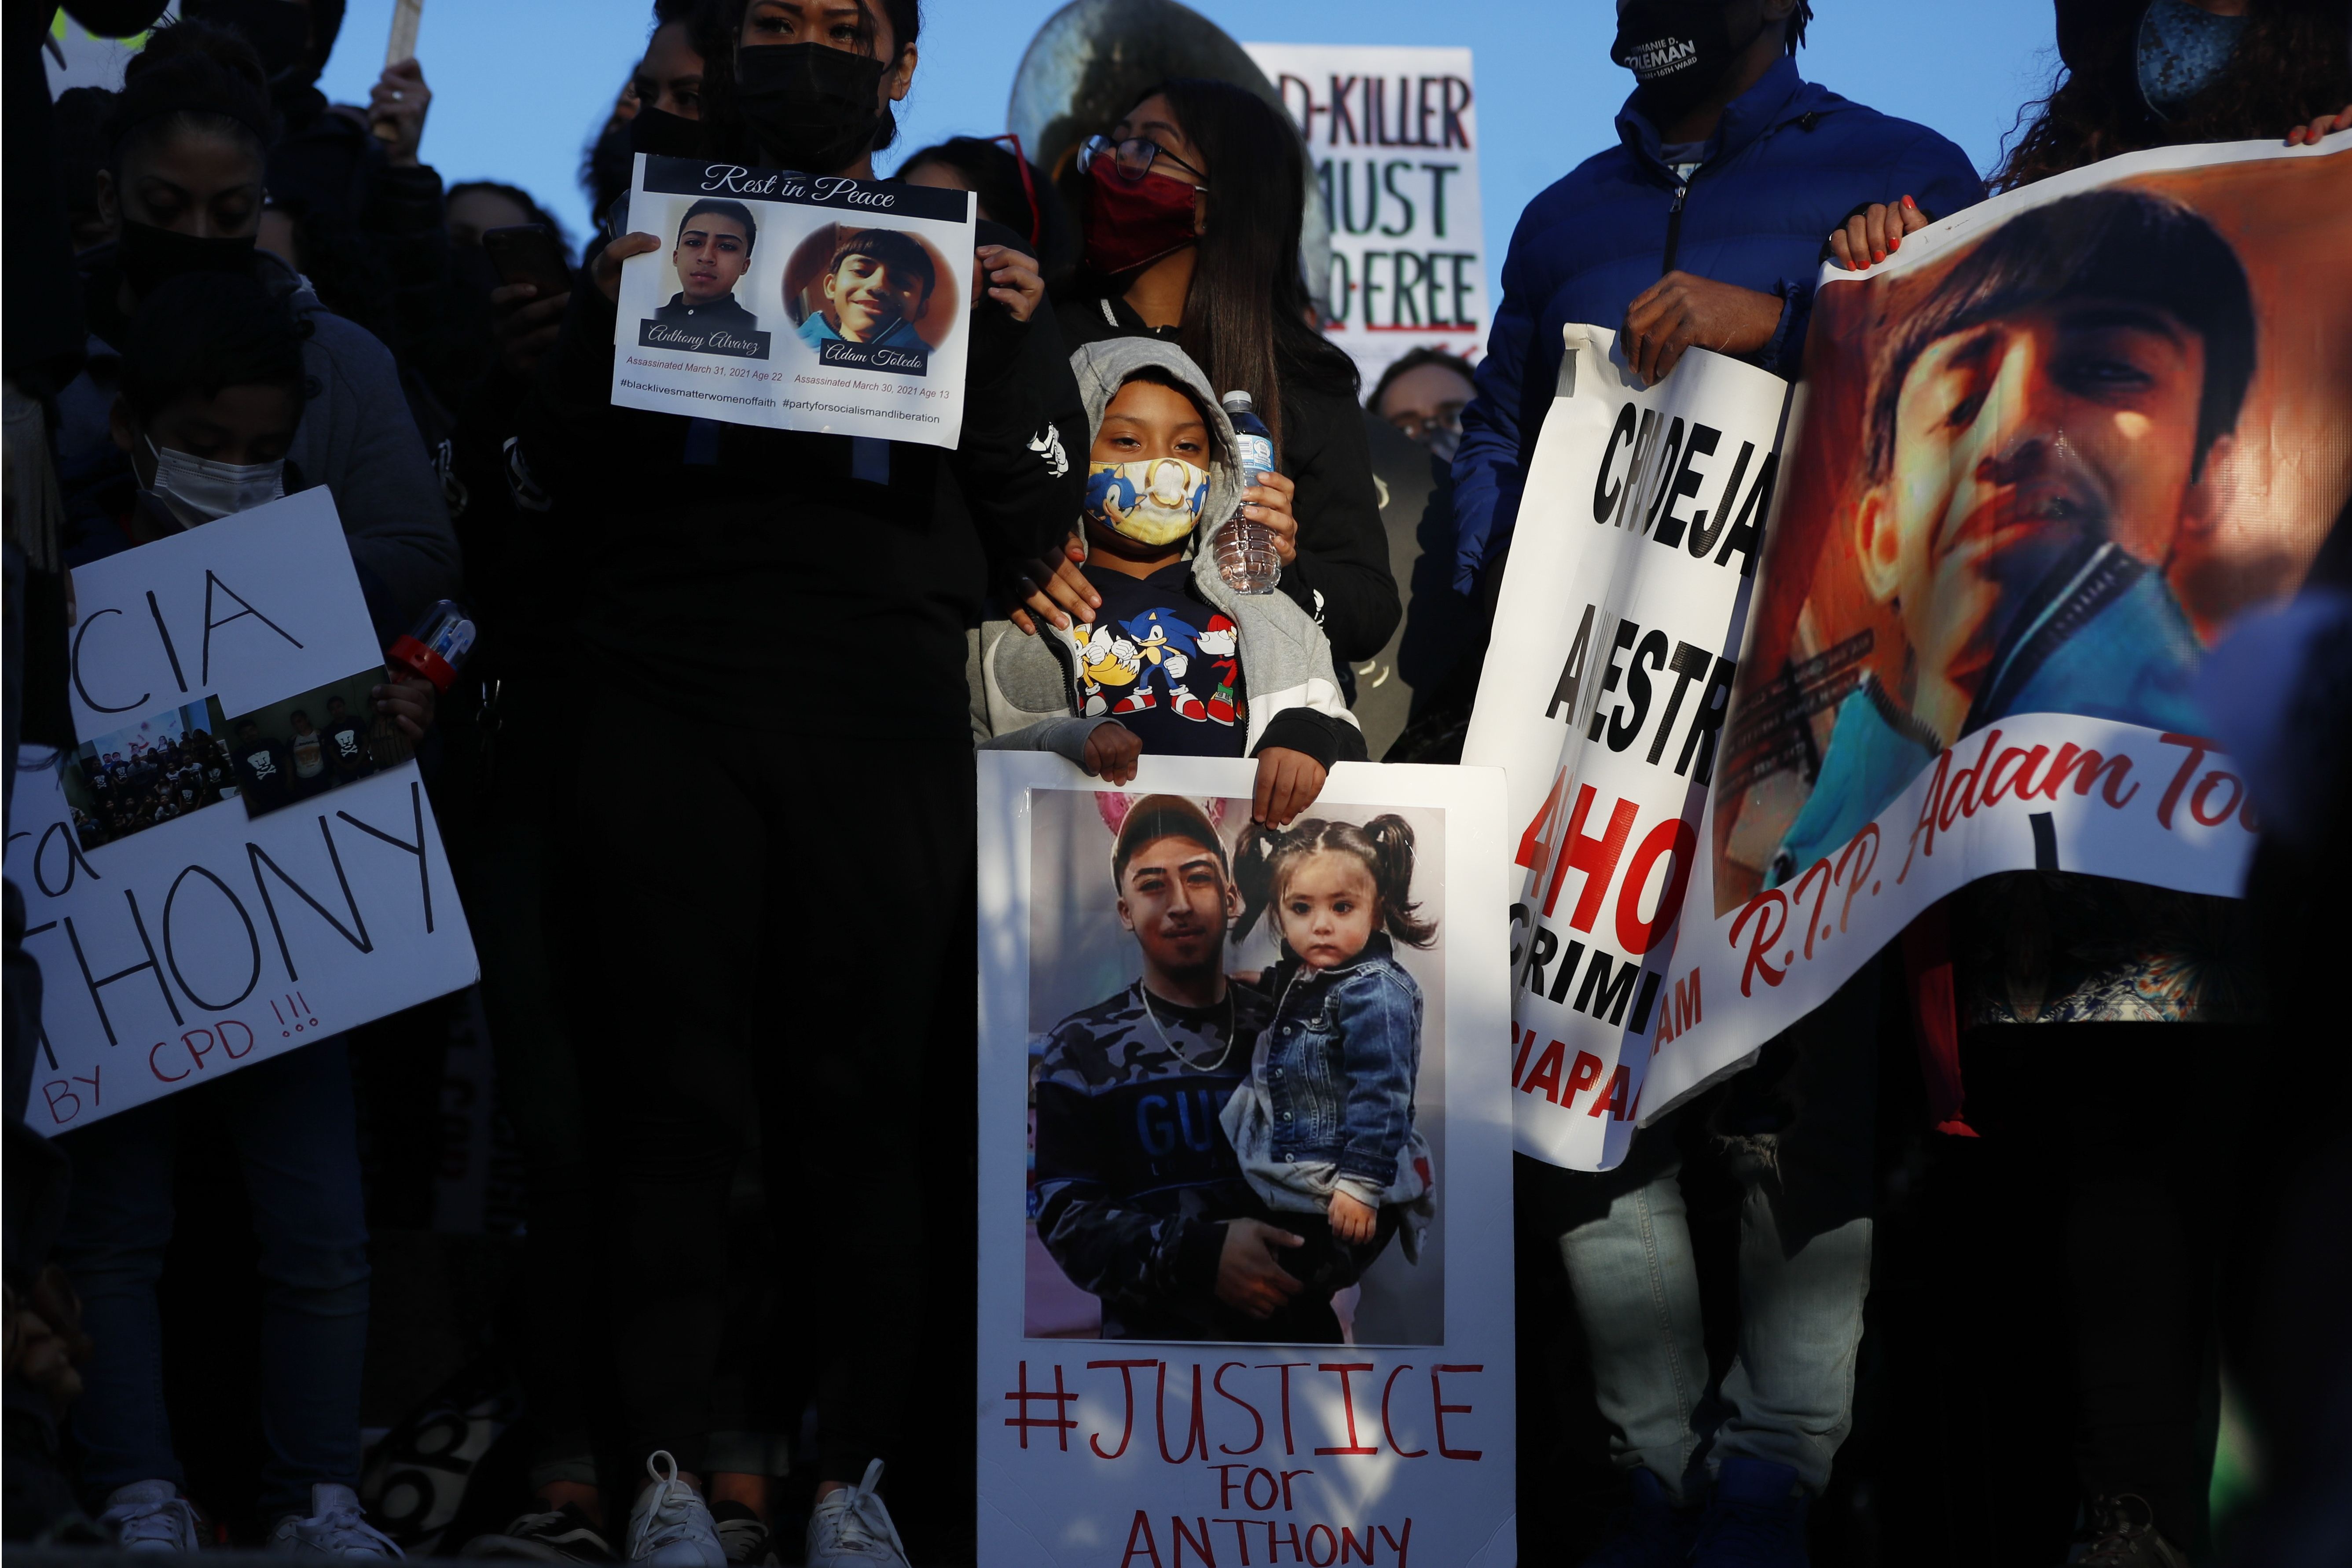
(1244, 1169)
(796, 302)
(235, 859)
(2044, 458)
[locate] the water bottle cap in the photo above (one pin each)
(1233, 400)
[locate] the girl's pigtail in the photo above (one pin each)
(1391, 840)
(1254, 874)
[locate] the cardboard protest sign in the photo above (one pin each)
(228, 865)
(796, 302)
(1143, 1063)
(1393, 133)
(2045, 457)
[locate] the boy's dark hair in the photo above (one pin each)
(192, 77)
(201, 331)
(2116, 244)
(734, 211)
(1406, 363)
(892, 247)
(1159, 817)
(1384, 846)
(1160, 375)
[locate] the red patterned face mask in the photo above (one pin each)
(1131, 224)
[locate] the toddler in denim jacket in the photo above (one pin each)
(1323, 1124)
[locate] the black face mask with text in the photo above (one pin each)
(148, 256)
(1679, 50)
(813, 107)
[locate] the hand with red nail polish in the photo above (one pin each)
(1875, 232)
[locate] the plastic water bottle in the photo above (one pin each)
(1245, 554)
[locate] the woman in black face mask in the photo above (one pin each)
(1162, 260)
(181, 184)
(732, 569)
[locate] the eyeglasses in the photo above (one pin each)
(1132, 158)
(1028, 189)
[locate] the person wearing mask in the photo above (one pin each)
(714, 579)
(218, 362)
(183, 186)
(2077, 1001)
(1162, 260)
(1703, 225)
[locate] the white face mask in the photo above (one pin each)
(198, 489)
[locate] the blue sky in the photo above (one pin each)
(518, 86)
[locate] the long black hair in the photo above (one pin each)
(1247, 314)
(2293, 63)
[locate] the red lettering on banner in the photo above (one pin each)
(1330, 1547)
(1350, 1546)
(1218, 1382)
(1249, 1492)
(1582, 1077)
(1519, 1060)
(1387, 1429)
(1397, 1543)
(2071, 757)
(1544, 1079)
(1126, 1382)
(1820, 868)
(1197, 1434)
(1960, 799)
(1621, 1087)
(1285, 1366)
(1675, 837)
(2197, 747)
(1059, 1423)
(1437, 1398)
(1867, 836)
(2205, 790)
(1925, 825)
(1596, 858)
(1346, 1370)
(1150, 1547)
(1183, 1537)
(1769, 909)
(1995, 785)
(1532, 848)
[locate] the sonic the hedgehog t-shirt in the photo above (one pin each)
(1163, 663)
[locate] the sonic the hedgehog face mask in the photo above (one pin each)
(1152, 501)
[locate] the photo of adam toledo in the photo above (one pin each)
(710, 255)
(868, 299)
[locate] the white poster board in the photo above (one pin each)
(1391, 1440)
(796, 302)
(1393, 133)
(181, 935)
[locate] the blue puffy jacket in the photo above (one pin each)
(1793, 161)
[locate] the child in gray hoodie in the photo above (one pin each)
(1173, 662)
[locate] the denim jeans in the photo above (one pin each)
(292, 1122)
(1796, 1131)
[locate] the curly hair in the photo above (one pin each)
(2293, 64)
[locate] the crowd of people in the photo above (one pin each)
(228, 289)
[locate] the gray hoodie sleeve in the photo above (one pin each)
(1066, 736)
(358, 439)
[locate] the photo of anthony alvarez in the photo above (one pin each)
(712, 255)
(2041, 477)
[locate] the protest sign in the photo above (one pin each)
(796, 302)
(1393, 133)
(224, 867)
(2046, 455)
(1372, 1418)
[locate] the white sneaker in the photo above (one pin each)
(150, 1516)
(670, 1526)
(336, 1527)
(851, 1529)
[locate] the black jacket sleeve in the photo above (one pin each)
(1341, 575)
(1022, 416)
(1322, 736)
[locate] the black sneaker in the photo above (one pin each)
(742, 1533)
(2123, 1536)
(564, 1535)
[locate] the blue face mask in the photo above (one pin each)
(2182, 51)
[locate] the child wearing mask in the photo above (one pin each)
(1173, 662)
(212, 392)
(1342, 1147)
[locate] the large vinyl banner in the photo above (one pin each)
(2044, 458)
(1245, 1171)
